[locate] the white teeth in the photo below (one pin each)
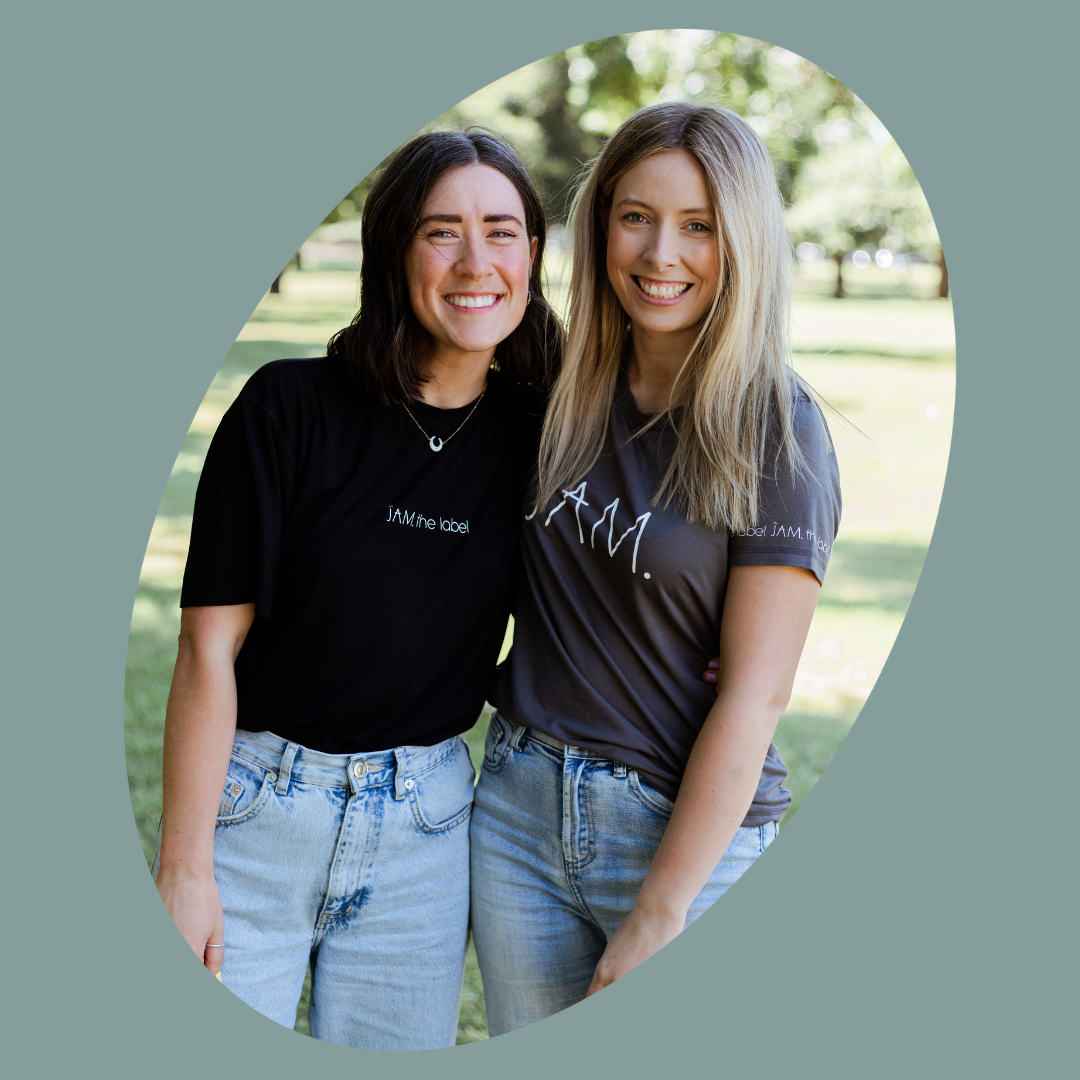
(472, 301)
(663, 292)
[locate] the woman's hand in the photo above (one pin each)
(640, 935)
(195, 907)
(712, 674)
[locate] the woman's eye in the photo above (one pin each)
(504, 234)
(698, 226)
(634, 217)
(439, 234)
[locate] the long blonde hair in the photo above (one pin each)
(736, 380)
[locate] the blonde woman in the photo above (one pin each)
(686, 505)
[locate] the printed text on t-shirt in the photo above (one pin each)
(578, 498)
(779, 531)
(417, 520)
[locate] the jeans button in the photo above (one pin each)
(358, 769)
(410, 784)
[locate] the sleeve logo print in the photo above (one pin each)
(778, 531)
(578, 497)
(417, 520)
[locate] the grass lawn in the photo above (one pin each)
(885, 363)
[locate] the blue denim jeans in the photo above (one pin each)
(359, 862)
(561, 842)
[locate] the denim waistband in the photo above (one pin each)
(291, 761)
(563, 748)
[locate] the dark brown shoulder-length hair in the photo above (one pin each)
(383, 347)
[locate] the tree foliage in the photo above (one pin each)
(845, 180)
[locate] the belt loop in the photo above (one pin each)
(285, 769)
(400, 765)
(619, 770)
(514, 742)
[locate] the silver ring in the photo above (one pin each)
(210, 945)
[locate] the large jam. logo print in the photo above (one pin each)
(578, 497)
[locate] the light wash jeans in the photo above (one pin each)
(359, 862)
(561, 841)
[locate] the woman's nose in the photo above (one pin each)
(471, 260)
(662, 252)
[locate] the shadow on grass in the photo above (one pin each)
(872, 574)
(897, 352)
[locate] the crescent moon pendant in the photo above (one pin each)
(435, 443)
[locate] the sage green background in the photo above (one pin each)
(913, 918)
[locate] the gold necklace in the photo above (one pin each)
(434, 441)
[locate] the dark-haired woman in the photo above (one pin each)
(345, 598)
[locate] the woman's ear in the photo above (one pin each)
(533, 245)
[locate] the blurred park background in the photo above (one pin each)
(873, 334)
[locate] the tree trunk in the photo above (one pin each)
(943, 285)
(294, 261)
(838, 292)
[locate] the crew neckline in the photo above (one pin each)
(624, 398)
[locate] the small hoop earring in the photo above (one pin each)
(528, 298)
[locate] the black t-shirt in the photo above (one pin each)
(380, 570)
(620, 604)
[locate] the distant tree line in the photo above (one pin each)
(846, 184)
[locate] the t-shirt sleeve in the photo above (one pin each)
(798, 512)
(240, 505)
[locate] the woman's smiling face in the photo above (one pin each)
(663, 255)
(469, 261)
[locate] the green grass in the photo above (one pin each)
(885, 363)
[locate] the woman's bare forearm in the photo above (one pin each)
(200, 723)
(766, 617)
(717, 789)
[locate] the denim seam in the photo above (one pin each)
(327, 920)
(585, 786)
(572, 867)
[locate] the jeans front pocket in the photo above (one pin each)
(497, 742)
(247, 789)
(647, 796)
(442, 796)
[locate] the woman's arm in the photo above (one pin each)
(200, 723)
(767, 614)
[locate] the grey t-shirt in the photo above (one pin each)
(619, 607)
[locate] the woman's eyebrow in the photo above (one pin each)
(630, 201)
(455, 219)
